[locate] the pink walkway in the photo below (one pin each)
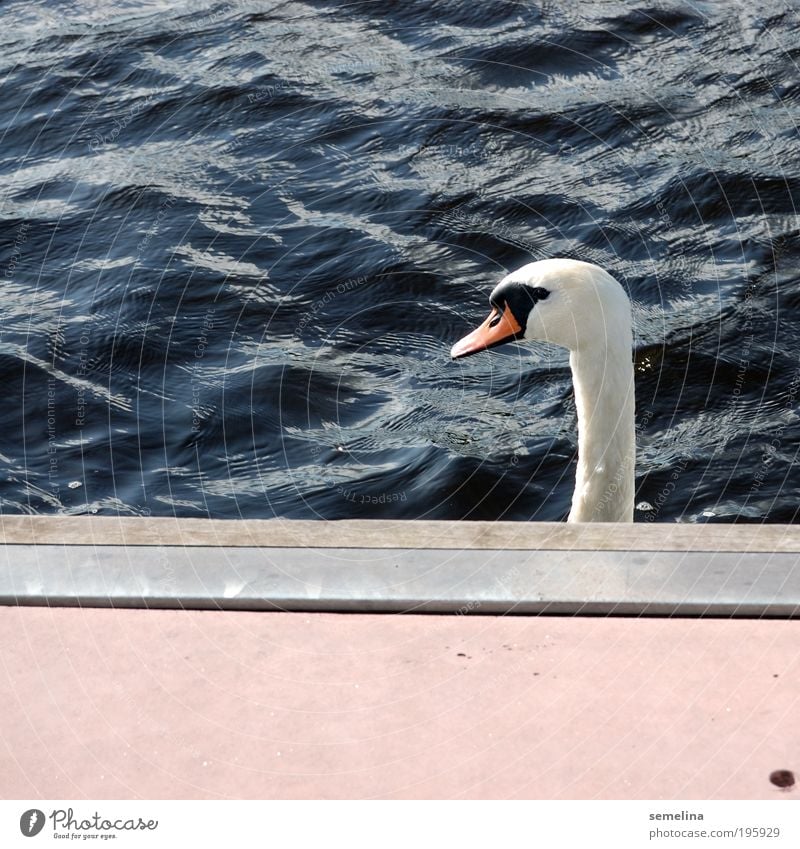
(161, 704)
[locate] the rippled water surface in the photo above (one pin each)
(239, 239)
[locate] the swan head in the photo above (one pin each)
(566, 302)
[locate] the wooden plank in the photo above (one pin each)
(415, 535)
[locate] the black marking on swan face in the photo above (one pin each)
(519, 298)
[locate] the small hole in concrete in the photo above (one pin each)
(783, 778)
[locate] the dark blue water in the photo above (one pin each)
(238, 240)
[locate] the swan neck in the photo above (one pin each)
(604, 399)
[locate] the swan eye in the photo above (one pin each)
(540, 294)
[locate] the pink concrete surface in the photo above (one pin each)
(103, 704)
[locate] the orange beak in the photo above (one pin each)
(491, 333)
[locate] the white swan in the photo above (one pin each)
(583, 308)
